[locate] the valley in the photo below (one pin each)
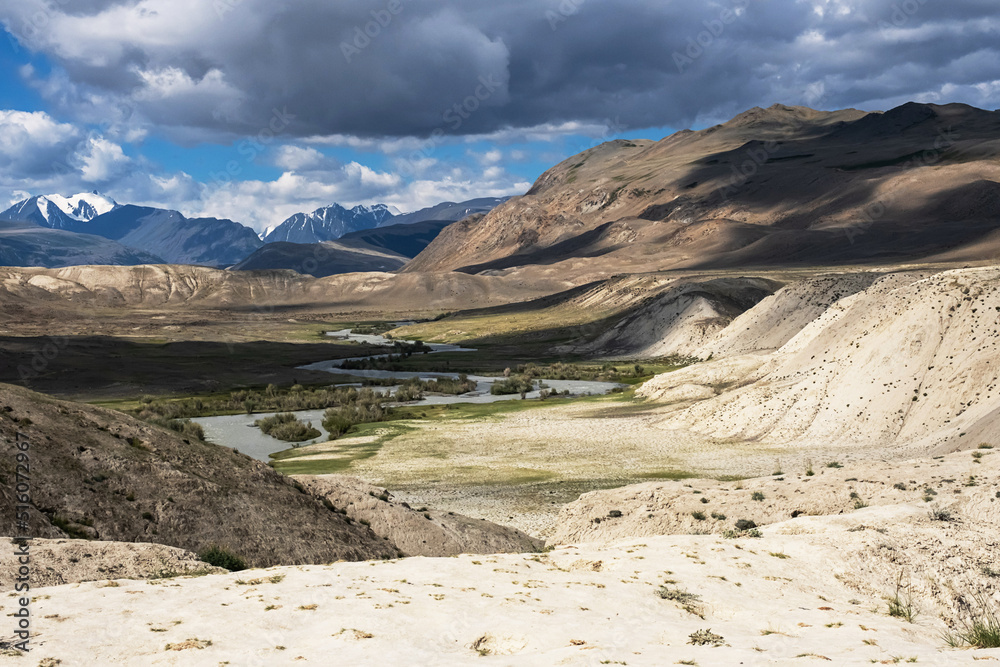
(614, 394)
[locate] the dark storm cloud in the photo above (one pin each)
(225, 67)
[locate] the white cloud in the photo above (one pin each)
(101, 160)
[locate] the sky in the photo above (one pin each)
(254, 109)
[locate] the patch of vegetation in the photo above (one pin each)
(358, 407)
(901, 602)
(937, 513)
(222, 557)
(287, 427)
(699, 516)
(515, 384)
(981, 630)
(705, 637)
(757, 495)
(687, 601)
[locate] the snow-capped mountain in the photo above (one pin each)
(60, 212)
(162, 233)
(329, 223)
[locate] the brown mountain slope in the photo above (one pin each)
(777, 186)
(100, 474)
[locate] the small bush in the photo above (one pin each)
(615, 514)
(703, 637)
(699, 516)
(940, 514)
(745, 524)
(834, 464)
(222, 557)
(687, 601)
(982, 629)
(757, 495)
(719, 516)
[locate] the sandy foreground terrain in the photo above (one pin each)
(813, 588)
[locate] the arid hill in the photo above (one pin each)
(783, 186)
(100, 474)
(910, 362)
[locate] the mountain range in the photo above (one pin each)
(772, 187)
(164, 236)
(330, 223)
(91, 228)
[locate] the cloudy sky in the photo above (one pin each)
(256, 109)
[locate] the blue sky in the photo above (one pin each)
(255, 110)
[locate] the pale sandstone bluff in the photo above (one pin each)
(909, 363)
(813, 588)
(55, 562)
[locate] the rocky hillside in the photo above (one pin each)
(417, 531)
(99, 474)
(812, 589)
(909, 361)
(778, 186)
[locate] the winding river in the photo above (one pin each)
(238, 431)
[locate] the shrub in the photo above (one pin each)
(699, 516)
(719, 516)
(287, 427)
(517, 384)
(703, 637)
(757, 495)
(222, 557)
(687, 601)
(745, 524)
(940, 514)
(834, 464)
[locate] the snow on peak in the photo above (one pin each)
(83, 207)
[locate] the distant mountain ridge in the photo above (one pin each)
(27, 244)
(58, 212)
(449, 210)
(379, 249)
(147, 234)
(159, 234)
(329, 223)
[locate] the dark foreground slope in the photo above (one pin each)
(100, 474)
